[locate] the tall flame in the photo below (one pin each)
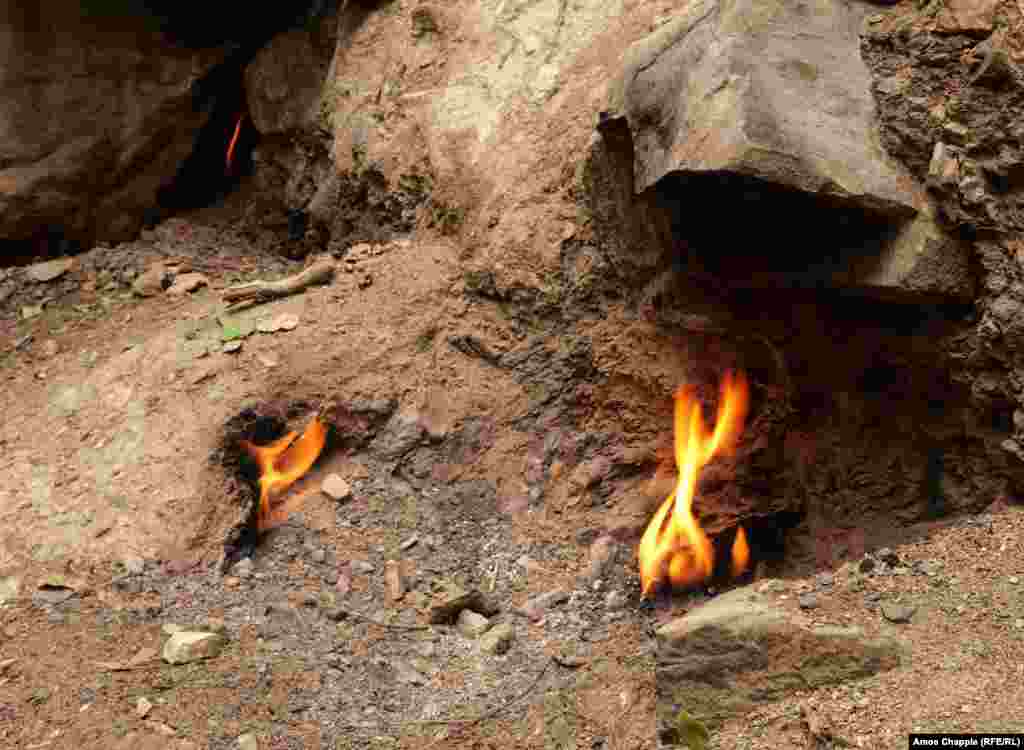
(674, 545)
(283, 462)
(234, 141)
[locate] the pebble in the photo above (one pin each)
(408, 543)
(187, 646)
(142, 708)
(134, 565)
(825, 579)
(362, 566)
(472, 624)
(243, 568)
(318, 556)
(336, 488)
(230, 347)
(808, 601)
(248, 741)
(899, 613)
(615, 600)
(498, 639)
(1014, 580)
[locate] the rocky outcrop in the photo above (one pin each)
(774, 90)
(740, 649)
(96, 116)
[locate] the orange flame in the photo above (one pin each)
(283, 462)
(740, 553)
(674, 543)
(234, 141)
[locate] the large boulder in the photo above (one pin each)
(97, 114)
(771, 89)
(741, 649)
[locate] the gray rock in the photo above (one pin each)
(243, 568)
(362, 566)
(899, 613)
(615, 600)
(446, 611)
(49, 270)
(703, 655)
(808, 601)
(318, 556)
(187, 646)
(472, 624)
(538, 605)
(407, 673)
(134, 565)
(400, 435)
(498, 639)
(824, 580)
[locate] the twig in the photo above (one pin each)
(467, 723)
(260, 291)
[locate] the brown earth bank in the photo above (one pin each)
(537, 233)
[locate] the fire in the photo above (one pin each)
(674, 545)
(283, 462)
(234, 141)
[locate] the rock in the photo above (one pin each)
(446, 611)
(9, 588)
(808, 601)
(318, 556)
(498, 639)
(49, 270)
(31, 311)
(336, 488)
(243, 568)
(899, 613)
(151, 282)
(1014, 580)
(363, 567)
(408, 674)
(398, 437)
(248, 741)
(134, 566)
(187, 646)
(186, 283)
(535, 607)
(409, 543)
(472, 624)
(602, 554)
(703, 656)
(615, 600)
(825, 580)
(394, 581)
(231, 347)
(142, 708)
(764, 89)
(887, 556)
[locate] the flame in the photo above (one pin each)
(284, 461)
(740, 553)
(234, 141)
(674, 543)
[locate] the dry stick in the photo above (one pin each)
(260, 291)
(467, 723)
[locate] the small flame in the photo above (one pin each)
(740, 553)
(674, 544)
(234, 141)
(283, 462)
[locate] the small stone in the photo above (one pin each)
(1019, 623)
(185, 283)
(243, 568)
(187, 646)
(498, 639)
(538, 605)
(899, 613)
(142, 708)
(409, 543)
(248, 741)
(134, 565)
(456, 599)
(363, 566)
(825, 579)
(318, 556)
(394, 582)
(1014, 580)
(602, 554)
(365, 281)
(48, 270)
(336, 488)
(472, 624)
(808, 601)
(31, 311)
(615, 600)
(230, 347)
(408, 674)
